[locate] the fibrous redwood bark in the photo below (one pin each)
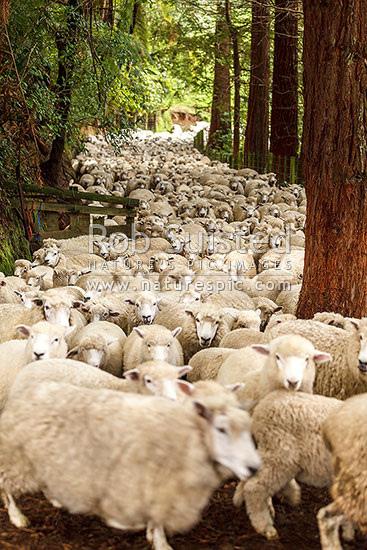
(335, 157)
(236, 79)
(284, 108)
(220, 123)
(257, 127)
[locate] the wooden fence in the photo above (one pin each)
(288, 170)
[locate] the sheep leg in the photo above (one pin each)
(330, 519)
(16, 517)
(348, 530)
(291, 493)
(159, 537)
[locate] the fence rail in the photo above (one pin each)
(288, 170)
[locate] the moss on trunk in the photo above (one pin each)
(13, 244)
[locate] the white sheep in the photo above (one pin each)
(44, 341)
(104, 440)
(145, 309)
(241, 338)
(346, 374)
(287, 362)
(12, 315)
(99, 344)
(344, 432)
(152, 377)
(152, 342)
(287, 427)
(203, 326)
(206, 363)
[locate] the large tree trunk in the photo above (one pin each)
(65, 43)
(257, 128)
(284, 111)
(335, 157)
(220, 123)
(237, 79)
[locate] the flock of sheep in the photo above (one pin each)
(97, 332)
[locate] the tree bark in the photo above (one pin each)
(257, 127)
(237, 82)
(220, 123)
(335, 157)
(65, 43)
(284, 111)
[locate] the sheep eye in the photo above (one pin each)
(168, 345)
(277, 356)
(47, 307)
(222, 430)
(197, 320)
(149, 346)
(56, 340)
(361, 337)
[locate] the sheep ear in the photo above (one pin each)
(263, 349)
(203, 411)
(185, 387)
(189, 312)
(77, 303)
(176, 331)
(23, 329)
(129, 301)
(132, 374)
(235, 387)
(355, 324)
(17, 293)
(258, 311)
(114, 313)
(184, 370)
(279, 308)
(112, 341)
(3, 283)
(139, 332)
(321, 356)
(73, 352)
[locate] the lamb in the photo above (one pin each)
(206, 363)
(288, 299)
(152, 342)
(267, 308)
(345, 376)
(241, 338)
(21, 267)
(151, 377)
(101, 345)
(290, 363)
(344, 432)
(40, 276)
(58, 308)
(44, 341)
(287, 427)
(203, 326)
(110, 436)
(334, 319)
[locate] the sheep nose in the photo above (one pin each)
(253, 470)
(291, 384)
(205, 341)
(38, 356)
(147, 319)
(362, 367)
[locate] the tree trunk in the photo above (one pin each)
(257, 128)
(220, 123)
(335, 158)
(237, 82)
(284, 111)
(65, 43)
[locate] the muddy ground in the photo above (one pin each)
(223, 527)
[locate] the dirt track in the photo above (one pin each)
(223, 528)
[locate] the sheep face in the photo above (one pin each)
(290, 356)
(161, 379)
(232, 444)
(57, 311)
(206, 327)
(157, 348)
(52, 257)
(357, 350)
(44, 341)
(146, 307)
